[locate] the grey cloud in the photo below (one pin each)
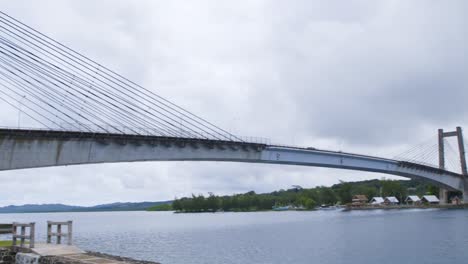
(363, 76)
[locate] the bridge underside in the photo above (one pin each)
(20, 149)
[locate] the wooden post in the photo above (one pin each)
(23, 234)
(49, 232)
(59, 234)
(70, 230)
(32, 236)
(15, 229)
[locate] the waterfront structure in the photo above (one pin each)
(413, 199)
(359, 199)
(430, 199)
(377, 201)
(391, 200)
(455, 200)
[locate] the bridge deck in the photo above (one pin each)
(105, 137)
(23, 149)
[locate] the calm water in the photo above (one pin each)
(410, 236)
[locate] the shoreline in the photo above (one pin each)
(400, 207)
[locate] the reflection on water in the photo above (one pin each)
(406, 236)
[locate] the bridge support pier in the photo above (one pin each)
(443, 196)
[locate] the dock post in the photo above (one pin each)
(59, 234)
(49, 232)
(32, 236)
(15, 229)
(70, 232)
(23, 234)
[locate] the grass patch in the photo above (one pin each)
(9, 243)
(5, 243)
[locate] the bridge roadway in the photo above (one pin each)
(21, 149)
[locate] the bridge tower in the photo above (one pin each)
(443, 193)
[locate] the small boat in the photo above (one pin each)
(281, 208)
(328, 207)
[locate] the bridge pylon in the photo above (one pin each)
(443, 193)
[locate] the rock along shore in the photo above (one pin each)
(91, 257)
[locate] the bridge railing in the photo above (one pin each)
(68, 127)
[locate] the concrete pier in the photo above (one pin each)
(443, 196)
(43, 249)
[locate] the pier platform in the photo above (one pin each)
(43, 249)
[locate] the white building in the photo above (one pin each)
(392, 200)
(413, 199)
(376, 201)
(432, 199)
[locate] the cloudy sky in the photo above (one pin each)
(373, 77)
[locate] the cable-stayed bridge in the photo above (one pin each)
(86, 113)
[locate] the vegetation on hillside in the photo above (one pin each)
(161, 207)
(52, 208)
(341, 193)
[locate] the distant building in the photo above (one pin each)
(391, 200)
(430, 199)
(413, 199)
(456, 200)
(377, 200)
(359, 199)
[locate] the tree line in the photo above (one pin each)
(309, 199)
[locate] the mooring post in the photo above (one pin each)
(49, 232)
(23, 235)
(59, 233)
(15, 230)
(70, 233)
(32, 234)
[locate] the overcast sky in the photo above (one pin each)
(373, 77)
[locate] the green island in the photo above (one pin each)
(299, 198)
